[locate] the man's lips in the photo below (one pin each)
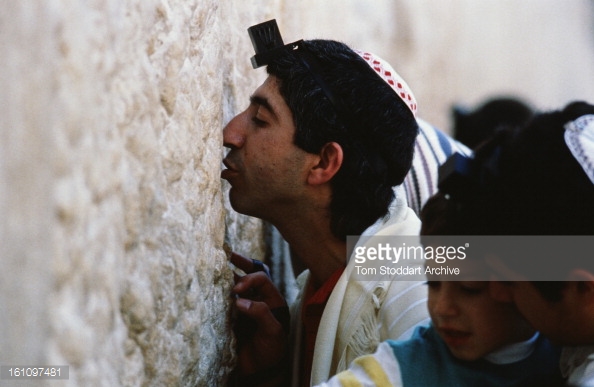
(454, 337)
(229, 172)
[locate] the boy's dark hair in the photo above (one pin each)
(550, 187)
(530, 185)
(375, 128)
(473, 127)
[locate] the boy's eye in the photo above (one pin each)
(473, 288)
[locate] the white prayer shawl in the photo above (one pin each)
(361, 314)
(577, 364)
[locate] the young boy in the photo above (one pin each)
(556, 155)
(473, 340)
(538, 183)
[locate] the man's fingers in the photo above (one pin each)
(259, 312)
(259, 286)
(256, 282)
(241, 262)
(248, 265)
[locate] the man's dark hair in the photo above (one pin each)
(374, 127)
(533, 186)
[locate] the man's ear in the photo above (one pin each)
(329, 162)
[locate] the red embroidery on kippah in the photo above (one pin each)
(388, 76)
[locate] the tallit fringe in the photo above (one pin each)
(366, 338)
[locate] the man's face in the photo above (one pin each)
(266, 170)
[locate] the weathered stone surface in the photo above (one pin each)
(464, 51)
(115, 214)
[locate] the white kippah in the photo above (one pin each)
(579, 137)
(388, 74)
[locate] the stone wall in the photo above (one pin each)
(113, 209)
(465, 51)
(111, 116)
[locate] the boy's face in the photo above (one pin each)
(472, 323)
(265, 168)
(548, 317)
(557, 320)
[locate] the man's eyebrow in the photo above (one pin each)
(262, 101)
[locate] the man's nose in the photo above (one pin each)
(234, 132)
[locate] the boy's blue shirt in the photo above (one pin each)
(425, 360)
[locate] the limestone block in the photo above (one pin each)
(112, 116)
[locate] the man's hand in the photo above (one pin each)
(263, 323)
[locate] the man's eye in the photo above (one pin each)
(258, 122)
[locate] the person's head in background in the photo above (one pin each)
(473, 126)
(537, 180)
